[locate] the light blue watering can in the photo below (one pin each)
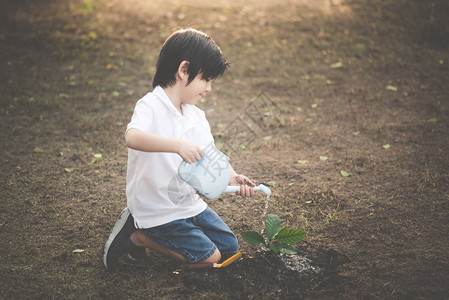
(210, 175)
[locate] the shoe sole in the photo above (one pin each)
(115, 231)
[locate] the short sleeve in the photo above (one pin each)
(142, 117)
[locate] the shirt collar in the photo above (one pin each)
(159, 91)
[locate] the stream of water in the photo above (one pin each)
(264, 214)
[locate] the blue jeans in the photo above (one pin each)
(196, 238)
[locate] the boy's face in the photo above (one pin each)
(196, 90)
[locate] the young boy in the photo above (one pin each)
(166, 128)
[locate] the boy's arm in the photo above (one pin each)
(149, 142)
(246, 185)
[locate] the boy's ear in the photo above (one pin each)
(183, 70)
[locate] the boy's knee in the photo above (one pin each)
(233, 245)
(230, 245)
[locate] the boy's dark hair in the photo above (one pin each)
(196, 47)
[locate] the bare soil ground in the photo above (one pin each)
(315, 88)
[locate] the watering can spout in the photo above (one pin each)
(235, 188)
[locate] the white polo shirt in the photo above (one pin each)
(155, 193)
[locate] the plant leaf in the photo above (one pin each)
(345, 174)
(252, 237)
(283, 248)
(97, 158)
(88, 6)
(391, 88)
(336, 65)
(93, 35)
(324, 158)
(288, 249)
(276, 247)
(386, 146)
(290, 236)
(78, 251)
(272, 226)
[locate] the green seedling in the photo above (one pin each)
(279, 240)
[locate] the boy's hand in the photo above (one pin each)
(246, 185)
(190, 152)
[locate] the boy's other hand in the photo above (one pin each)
(190, 152)
(246, 185)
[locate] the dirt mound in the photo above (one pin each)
(266, 273)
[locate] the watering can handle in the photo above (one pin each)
(235, 188)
